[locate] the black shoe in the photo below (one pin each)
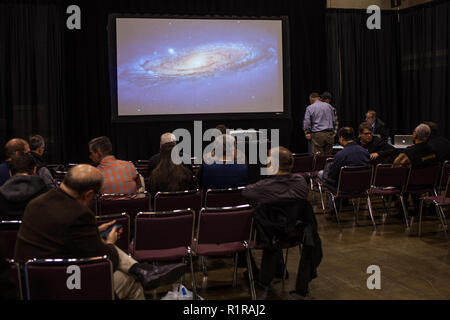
(152, 276)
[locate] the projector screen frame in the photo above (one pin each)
(112, 57)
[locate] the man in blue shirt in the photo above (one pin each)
(14, 146)
(319, 125)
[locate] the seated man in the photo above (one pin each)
(168, 138)
(12, 147)
(37, 147)
(60, 224)
(23, 186)
(277, 191)
(352, 155)
(118, 176)
(418, 155)
(378, 126)
(439, 144)
(377, 147)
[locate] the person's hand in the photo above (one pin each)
(373, 156)
(308, 136)
(105, 226)
(112, 236)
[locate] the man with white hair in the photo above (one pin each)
(167, 137)
(419, 154)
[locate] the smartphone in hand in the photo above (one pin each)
(105, 233)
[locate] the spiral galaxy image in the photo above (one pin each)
(192, 66)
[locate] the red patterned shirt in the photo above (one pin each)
(118, 176)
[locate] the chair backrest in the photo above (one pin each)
(232, 197)
(122, 219)
(320, 160)
(16, 277)
(168, 201)
(131, 204)
(69, 279)
(424, 176)
(355, 180)
(224, 225)
(444, 174)
(447, 188)
(303, 162)
(8, 236)
(164, 230)
(387, 176)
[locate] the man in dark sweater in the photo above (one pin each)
(21, 188)
(378, 126)
(37, 147)
(12, 147)
(60, 224)
(377, 147)
(439, 144)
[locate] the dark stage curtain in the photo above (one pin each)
(66, 72)
(425, 65)
(363, 67)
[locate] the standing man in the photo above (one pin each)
(319, 125)
(326, 97)
(378, 126)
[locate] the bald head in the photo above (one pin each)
(167, 137)
(285, 159)
(83, 178)
(16, 146)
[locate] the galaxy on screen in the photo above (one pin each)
(198, 66)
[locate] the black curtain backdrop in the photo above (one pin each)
(55, 81)
(401, 71)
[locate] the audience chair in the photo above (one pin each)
(231, 197)
(303, 163)
(354, 183)
(320, 185)
(444, 174)
(164, 236)
(319, 164)
(167, 201)
(122, 219)
(389, 181)
(69, 279)
(439, 202)
(16, 277)
(8, 236)
(225, 231)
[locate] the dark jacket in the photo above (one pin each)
(380, 146)
(291, 222)
(352, 155)
(153, 162)
(43, 171)
(381, 129)
(421, 154)
(441, 146)
(16, 193)
(4, 172)
(55, 225)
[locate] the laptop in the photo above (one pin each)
(403, 140)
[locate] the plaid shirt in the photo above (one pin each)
(118, 176)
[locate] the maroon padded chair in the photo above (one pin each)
(231, 197)
(122, 219)
(167, 201)
(354, 183)
(164, 236)
(131, 204)
(16, 277)
(439, 202)
(55, 279)
(423, 179)
(8, 236)
(320, 185)
(444, 174)
(389, 181)
(225, 231)
(319, 164)
(303, 163)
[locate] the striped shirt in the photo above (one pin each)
(118, 176)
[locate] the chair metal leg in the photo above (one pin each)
(236, 257)
(369, 205)
(442, 218)
(355, 211)
(420, 216)
(312, 188)
(321, 198)
(250, 275)
(336, 212)
(193, 281)
(405, 212)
